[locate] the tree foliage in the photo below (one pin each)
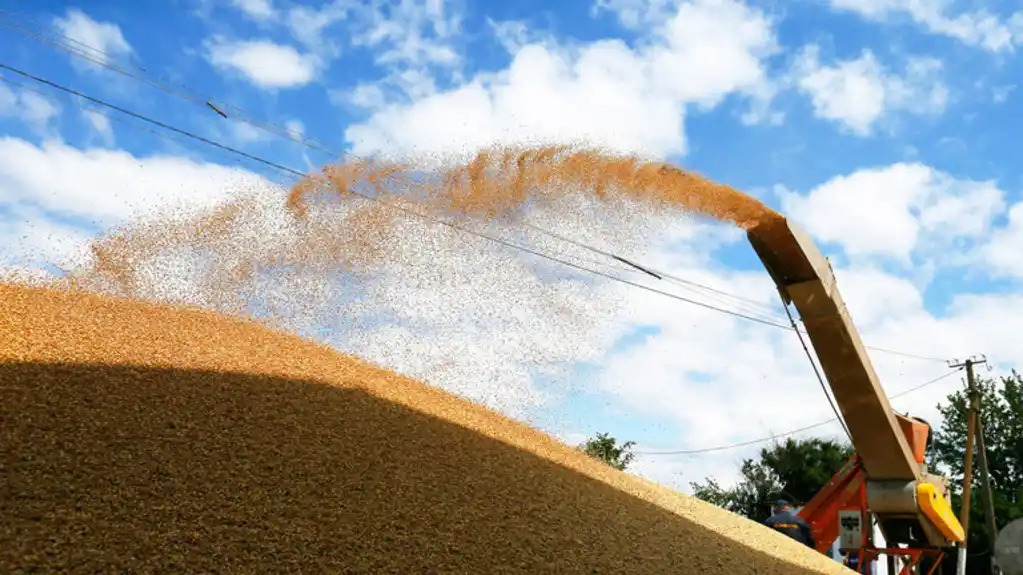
(794, 470)
(1001, 402)
(605, 448)
(797, 470)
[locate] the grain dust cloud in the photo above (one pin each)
(153, 422)
(375, 279)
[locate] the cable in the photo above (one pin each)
(904, 354)
(787, 433)
(102, 112)
(816, 371)
(658, 274)
(406, 210)
(151, 121)
(506, 243)
(206, 101)
(662, 275)
(164, 85)
(313, 144)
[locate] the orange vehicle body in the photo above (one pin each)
(847, 491)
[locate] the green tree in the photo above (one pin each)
(795, 470)
(1001, 402)
(805, 466)
(606, 449)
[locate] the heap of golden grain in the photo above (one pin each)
(138, 437)
(143, 438)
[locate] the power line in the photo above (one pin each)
(406, 210)
(787, 433)
(500, 241)
(206, 101)
(151, 121)
(816, 372)
(104, 59)
(102, 112)
(656, 273)
(285, 169)
(662, 275)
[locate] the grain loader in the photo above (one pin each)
(886, 481)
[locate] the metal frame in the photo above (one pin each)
(847, 491)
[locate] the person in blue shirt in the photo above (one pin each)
(788, 523)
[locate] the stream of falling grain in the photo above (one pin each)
(374, 279)
(496, 184)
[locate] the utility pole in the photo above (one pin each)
(985, 476)
(989, 504)
(974, 433)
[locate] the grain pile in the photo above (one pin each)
(143, 438)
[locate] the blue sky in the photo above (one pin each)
(818, 108)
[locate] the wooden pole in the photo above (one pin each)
(964, 510)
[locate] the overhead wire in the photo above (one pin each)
(105, 60)
(100, 111)
(408, 211)
(772, 437)
(634, 265)
(656, 273)
(817, 373)
(291, 171)
(748, 307)
(659, 274)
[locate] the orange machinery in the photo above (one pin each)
(845, 497)
(887, 480)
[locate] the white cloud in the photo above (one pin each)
(896, 210)
(263, 62)
(768, 387)
(308, 25)
(409, 32)
(8, 100)
(103, 40)
(493, 305)
(1004, 250)
(30, 107)
(403, 34)
(256, 9)
(100, 123)
(858, 93)
(364, 95)
(634, 13)
(296, 127)
(505, 314)
(109, 186)
(605, 93)
(680, 375)
(30, 237)
(977, 28)
(514, 35)
(246, 133)
(476, 319)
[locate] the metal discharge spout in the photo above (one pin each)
(805, 278)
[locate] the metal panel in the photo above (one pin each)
(897, 497)
(850, 529)
(1009, 548)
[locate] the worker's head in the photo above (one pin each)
(781, 506)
